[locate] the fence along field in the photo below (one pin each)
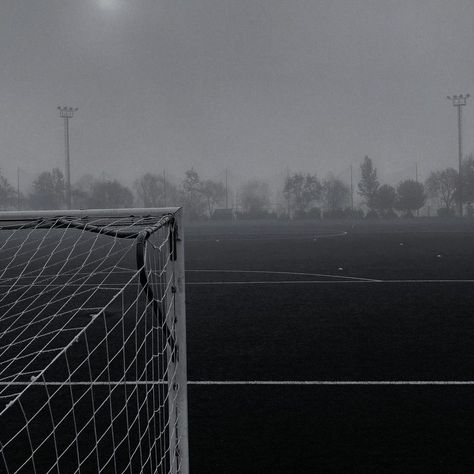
(92, 342)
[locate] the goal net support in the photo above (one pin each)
(93, 342)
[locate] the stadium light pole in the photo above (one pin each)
(18, 188)
(164, 187)
(459, 101)
(226, 191)
(66, 113)
(352, 191)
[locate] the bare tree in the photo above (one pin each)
(109, 195)
(302, 191)
(7, 193)
(255, 198)
(214, 193)
(467, 171)
(193, 199)
(48, 190)
(154, 191)
(443, 185)
(336, 194)
(81, 191)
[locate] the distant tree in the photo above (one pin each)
(154, 191)
(193, 199)
(192, 182)
(213, 192)
(255, 198)
(384, 199)
(302, 191)
(410, 196)
(443, 185)
(368, 184)
(149, 188)
(335, 193)
(48, 190)
(8, 195)
(109, 195)
(81, 191)
(467, 172)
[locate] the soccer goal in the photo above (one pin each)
(93, 342)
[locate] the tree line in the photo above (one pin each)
(308, 196)
(300, 196)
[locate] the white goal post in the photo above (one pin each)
(93, 342)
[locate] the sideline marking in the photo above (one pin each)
(284, 273)
(317, 282)
(115, 287)
(256, 382)
(330, 382)
(258, 237)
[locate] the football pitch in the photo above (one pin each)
(311, 347)
(316, 347)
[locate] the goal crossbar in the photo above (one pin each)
(86, 213)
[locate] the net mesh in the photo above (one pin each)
(88, 350)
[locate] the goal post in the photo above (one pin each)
(179, 440)
(93, 341)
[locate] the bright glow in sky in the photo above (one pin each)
(108, 4)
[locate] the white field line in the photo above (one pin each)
(330, 382)
(337, 279)
(468, 233)
(114, 287)
(318, 282)
(258, 237)
(251, 382)
(323, 275)
(103, 286)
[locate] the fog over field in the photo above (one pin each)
(238, 235)
(252, 86)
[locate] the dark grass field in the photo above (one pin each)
(329, 324)
(291, 302)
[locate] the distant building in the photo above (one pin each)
(223, 214)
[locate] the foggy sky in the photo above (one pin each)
(253, 85)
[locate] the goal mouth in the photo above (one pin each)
(90, 348)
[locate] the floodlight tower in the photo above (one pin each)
(459, 101)
(66, 113)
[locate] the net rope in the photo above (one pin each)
(88, 350)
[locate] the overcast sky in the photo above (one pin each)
(253, 85)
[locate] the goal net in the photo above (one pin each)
(92, 342)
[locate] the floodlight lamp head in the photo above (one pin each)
(67, 112)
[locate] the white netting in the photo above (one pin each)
(88, 346)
